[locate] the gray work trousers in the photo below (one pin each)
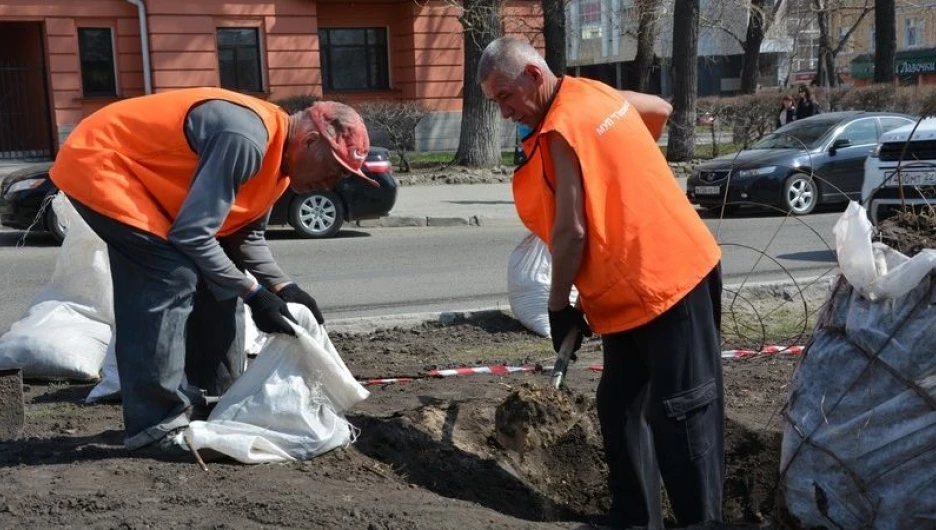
(175, 342)
(661, 408)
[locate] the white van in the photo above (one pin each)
(881, 192)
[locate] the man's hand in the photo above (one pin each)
(270, 313)
(563, 321)
(292, 293)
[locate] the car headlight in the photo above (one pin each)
(755, 172)
(876, 152)
(26, 184)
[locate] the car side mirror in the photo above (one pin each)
(840, 143)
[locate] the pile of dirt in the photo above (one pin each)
(909, 230)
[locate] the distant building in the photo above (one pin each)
(601, 39)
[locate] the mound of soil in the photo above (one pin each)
(909, 231)
(437, 453)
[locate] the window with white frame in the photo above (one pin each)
(913, 32)
(848, 46)
(98, 71)
(590, 19)
(872, 39)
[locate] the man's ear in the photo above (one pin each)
(535, 73)
(310, 138)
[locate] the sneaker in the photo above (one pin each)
(169, 448)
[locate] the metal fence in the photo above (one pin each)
(25, 129)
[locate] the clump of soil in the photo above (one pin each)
(909, 230)
(536, 416)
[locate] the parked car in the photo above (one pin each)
(321, 214)
(803, 164)
(314, 215)
(882, 193)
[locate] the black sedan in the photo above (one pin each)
(314, 215)
(803, 164)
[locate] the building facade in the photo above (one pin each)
(62, 60)
(601, 39)
(915, 61)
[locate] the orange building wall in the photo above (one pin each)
(183, 43)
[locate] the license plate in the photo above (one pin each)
(912, 178)
(708, 190)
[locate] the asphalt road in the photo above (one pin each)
(386, 271)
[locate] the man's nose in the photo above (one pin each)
(506, 111)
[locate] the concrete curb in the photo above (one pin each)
(398, 221)
(785, 289)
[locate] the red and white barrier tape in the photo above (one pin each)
(767, 350)
(505, 369)
(495, 369)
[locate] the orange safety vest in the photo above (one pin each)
(646, 247)
(130, 161)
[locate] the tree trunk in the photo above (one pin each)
(681, 145)
(826, 74)
(646, 31)
(885, 40)
(554, 27)
(479, 142)
(750, 62)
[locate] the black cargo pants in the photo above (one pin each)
(662, 412)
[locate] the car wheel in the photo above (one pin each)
(317, 215)
(800, 194)
(54, 225)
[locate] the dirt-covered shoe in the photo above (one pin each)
(169, 448)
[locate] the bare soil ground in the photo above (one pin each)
(430, 455)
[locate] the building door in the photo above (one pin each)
(25, 121)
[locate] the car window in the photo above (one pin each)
(795, 136)
(888, 124)
(860, 132)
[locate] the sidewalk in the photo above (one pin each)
(454, 205)
(451, 205)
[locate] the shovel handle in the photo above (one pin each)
(566, 349)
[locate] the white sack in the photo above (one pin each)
(65, 332)
(529, 272)
(858, 446)
(290, 403)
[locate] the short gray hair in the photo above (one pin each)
(508, 56)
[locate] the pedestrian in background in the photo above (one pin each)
(598, 190)
(806, 106)
(787, 111)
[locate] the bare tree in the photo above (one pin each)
(681, 144)
(398, 119)
(829, 46)
(648, 13)
(761, 16)
(554, 34)
(885, 40)
(479, 141)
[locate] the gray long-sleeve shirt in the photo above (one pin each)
(230, 141)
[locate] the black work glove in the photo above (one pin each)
(565, 320)
(292, 293)
(270, 312)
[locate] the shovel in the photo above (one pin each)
(566, 349)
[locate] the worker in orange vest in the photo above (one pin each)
(179, 185)
(597, 189)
